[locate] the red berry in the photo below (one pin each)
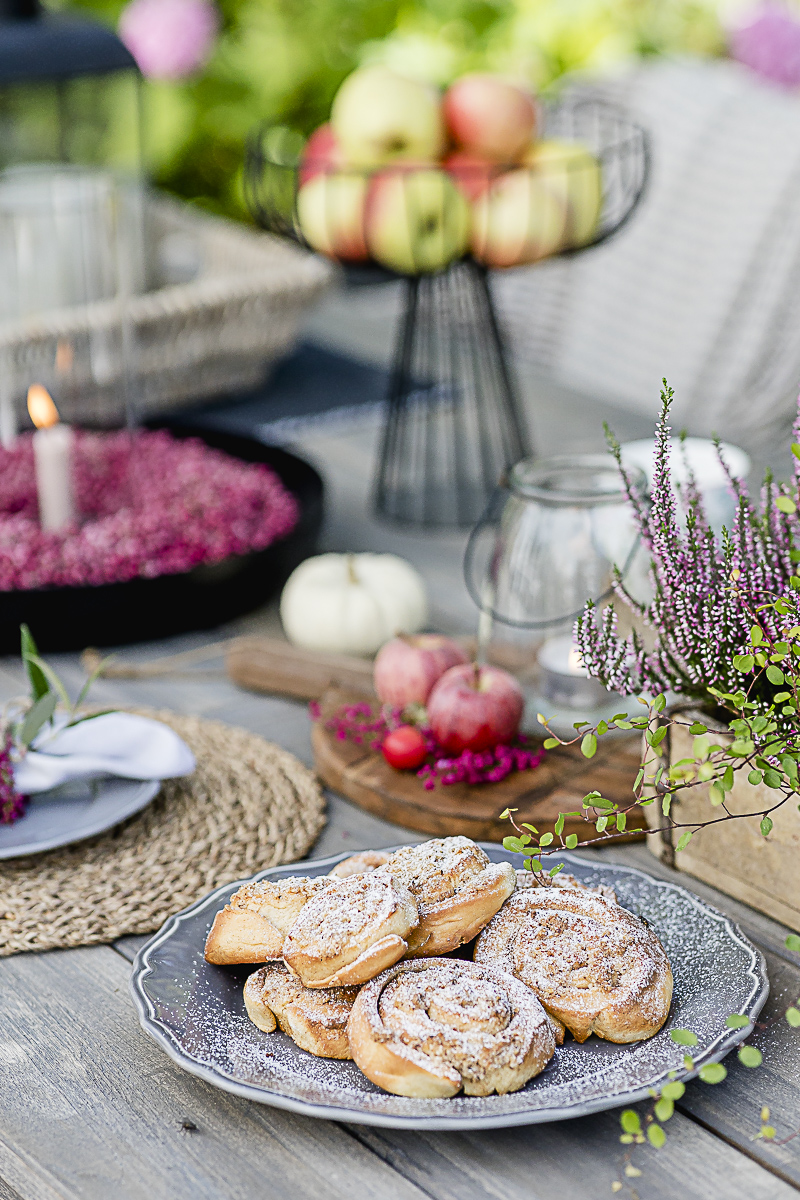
(404, 748)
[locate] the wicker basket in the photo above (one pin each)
(185, 340)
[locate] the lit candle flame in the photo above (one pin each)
(575, 662)
(41, 408)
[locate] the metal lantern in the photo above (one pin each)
(69, 91)
(71, 213)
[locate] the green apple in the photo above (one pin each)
(518, 219)
(380, 117)
(571, 171)
(417, 219)
(331, 211)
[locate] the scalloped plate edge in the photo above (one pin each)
(718, 1049)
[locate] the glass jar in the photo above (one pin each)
(549, 541)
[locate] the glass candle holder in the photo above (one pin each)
(551, 539)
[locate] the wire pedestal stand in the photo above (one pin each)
(453, 424)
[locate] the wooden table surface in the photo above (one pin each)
(90, 1107)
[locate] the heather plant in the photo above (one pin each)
(705, 590)
(726, 622)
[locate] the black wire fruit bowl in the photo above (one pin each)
(453, 423)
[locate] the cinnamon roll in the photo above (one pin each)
(252, 925)
(350, 931)
(361, 863)
(314, 1018)
(456, 887)
(595, 966)
(527, 879)
(431, 1027)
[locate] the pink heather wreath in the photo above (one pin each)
(149, 505)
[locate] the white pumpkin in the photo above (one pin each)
(352, 603)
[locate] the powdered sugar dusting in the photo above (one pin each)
(434, 871)
(199, 1010)
(348, 915)
(470, 1017)
(583, 956)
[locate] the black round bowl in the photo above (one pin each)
(71, 618)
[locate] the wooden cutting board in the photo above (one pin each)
(557, 785)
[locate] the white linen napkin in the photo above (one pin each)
(118, 743)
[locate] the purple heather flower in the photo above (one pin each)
(169, 38)
(767, 40)
(12, 805)
(151, 505)
(699, 621)
(352, 721)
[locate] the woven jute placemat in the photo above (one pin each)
(248, 805)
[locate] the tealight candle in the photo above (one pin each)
(52, 455)
(565, 680)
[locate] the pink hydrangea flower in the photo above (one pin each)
(767, 40)
(149, 505)
(169, 38)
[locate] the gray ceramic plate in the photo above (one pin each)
(71, 813)
(196, 1013)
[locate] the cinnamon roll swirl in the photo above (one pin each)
(361, 863)
(350, 931)
(527, 879)
(252, 925)
(456, 888)
(314, 1018)
(595, 966)
(431, 1027)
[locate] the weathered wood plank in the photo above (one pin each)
(24, 1179)
(574, 1160)
(101, 1110)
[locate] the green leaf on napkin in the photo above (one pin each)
(36, 677)
(37, 716)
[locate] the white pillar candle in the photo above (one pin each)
(565, 678)
(52, 454)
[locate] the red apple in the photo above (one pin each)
(406, 668)
(519, 219)
(322, 153)
(475, 708)
(382, 117)
(331, 209)
(490, 116)
(417, 219)
(404, 748)
(473, 174)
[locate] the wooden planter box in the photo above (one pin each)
(733, 856)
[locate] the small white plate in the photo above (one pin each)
(73, 812)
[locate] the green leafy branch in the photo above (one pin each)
(46, 691)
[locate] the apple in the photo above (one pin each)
(407, 667)
(472, 173)
(490, 116)
(571, 172)
(417, 219)
(404, 748)
(475, 708)
(380, 117)
(322, 153)
(331, 210)
(518, 219)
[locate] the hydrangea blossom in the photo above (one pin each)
(149, 505)
(767, 39)
(699, 619)
(169, 38)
